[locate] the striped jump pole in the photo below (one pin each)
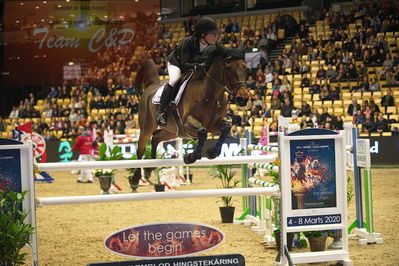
(252, 147)
(266, 166)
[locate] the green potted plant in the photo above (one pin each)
(14, 233)
(317, 239)
(225, 174)
(106, 177)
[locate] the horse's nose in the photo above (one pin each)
(241, 101)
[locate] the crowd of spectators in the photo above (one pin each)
(67, 107)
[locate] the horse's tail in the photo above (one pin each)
(147, 74)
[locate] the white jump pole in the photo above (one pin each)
(152, 163)
(157, 196)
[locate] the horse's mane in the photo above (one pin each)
(212, 52)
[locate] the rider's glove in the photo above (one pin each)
(200, 66)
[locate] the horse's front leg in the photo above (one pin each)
(225, 127)
(202, 134)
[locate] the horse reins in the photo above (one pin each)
(226, 89)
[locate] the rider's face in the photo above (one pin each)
(211, 38)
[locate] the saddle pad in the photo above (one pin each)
(157, 97)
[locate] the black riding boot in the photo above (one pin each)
(162, 118)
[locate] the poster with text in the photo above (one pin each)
(10, 170)
(313, 174)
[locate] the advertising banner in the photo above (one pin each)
(10, 170)
(163, 240)
(43, 37)
(217, 260)
(313, 178)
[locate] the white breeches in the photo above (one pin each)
(85, 173)
(174, 74)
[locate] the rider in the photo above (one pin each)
(184, 58)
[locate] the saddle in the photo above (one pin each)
(177, 93)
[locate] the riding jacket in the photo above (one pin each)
(188, 54)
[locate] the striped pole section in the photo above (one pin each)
(261, 183)
(270, 167)
(252, 147)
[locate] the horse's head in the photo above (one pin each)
(235, 74)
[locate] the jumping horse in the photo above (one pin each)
(202, 107)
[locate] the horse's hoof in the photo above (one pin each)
(212, 153)
(190, 158)
(134, 188)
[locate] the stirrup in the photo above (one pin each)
(162, 119)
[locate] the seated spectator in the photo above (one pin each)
(260, 89)
(53, 92)
(374, 86)
(387, 64)
(250, 82)
(367, 110)
(306, 122)
(14, 113)
(321, 73)
(305, 81)
(315, 88)
(334, 93)
(296, 67)
(390, 77)
(315, 116)
(305, 68)
(65, 110)
(325, 115)
(276, 87)
(368, 124)
(358, 118)
(329, 59)
(275, 103)
(305, 109)
(352, 73)
(257, 102)
(287, 63)
(364, 85)
(381, 125)
(338, 123)
(286, 84)
(260, 77)
(286, 109)
(387, 99)
(374, 107)
(342, 72)
(362, 71)
(248, 32)
(234, 132)
(324, 93)
(330, 72)
(268, 75)
(353, 107)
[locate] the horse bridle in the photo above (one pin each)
(225, 87)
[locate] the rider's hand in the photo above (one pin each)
(200, 66)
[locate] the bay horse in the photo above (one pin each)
(202, 107)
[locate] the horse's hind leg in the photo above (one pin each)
(134, 181)
(202, 134)
(158, 136)
(225, 126)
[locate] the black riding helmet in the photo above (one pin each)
(206, 25)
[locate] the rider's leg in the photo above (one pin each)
(174, 74)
